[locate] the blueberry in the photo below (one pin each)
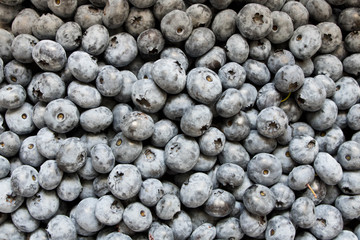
(87, 15)
(116, 13)
(206, 231)
(347, 19)
(130, 126)
(331, 36)
(346, 234)
(260, 49)
(96, 119)
(102, 157)
(176, 105)
(139, 20)
(61, 227)
(160, 231)
(50, 175)
(289, 78)
(151, 192)
(128, 78)
(9, 144)
(40, 233)
(29, 153)
(19, 120)
(4, 167)
(298, 13)
(181, 225)
(150, 43)
(9, 231)
(49, 55)
(306, 100)
(280, 58)
(117, 236)
(176, 54)
(280, 227)
(125, 150)
(9, 201)
(237, 48)
(303, 212)
(124, 181)
(256, 143)
(348, 206)
(205, 163)
(254, 21)
(181, 153)
(346, 94)
(213, 59)
(109, 210)
(253, 225)
(284, 196)
(230, 174)
(200, 14)
(69, 36)
(164, 130)
(118, 53)
(349, 182)
(12, 96)
(282, 28)
(329, 222)
(220, 203)
(328, 65)
(6, 40)
(302, 129)
(100, 185)
(83, 95)
(264, 169)
(72, 155)
(196, 190)
(353, 116)
(63, 9)
(352, 41)
(256, 72)
(83, 66)
(85, 215)
(196, 120)
(303, 149)
(271, 122)
(22, 46)
(176, 26)
(24, 181)
(137, 217)
(17, 73)
(43, 205)
(168, 206)
(46, 25)
(300, 177)
(327, 168)
(236, 128)
(305, 42)
(228, 228)
(24, 20)
(348, 155)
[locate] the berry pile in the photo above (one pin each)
(179, 119)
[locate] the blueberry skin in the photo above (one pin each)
(254, 21)
(40, 233)
(119, 111)
(196, 120)
(164, 130)
(284, 196)
(109, 210)
(137, 217)
(70, 187)
(130, 126)
(280, 227)
(117, 236)
(257, 72)
(329, 222)
(353, 116)
(282, 29)
(50, 175)
(268, 96)
(87, 15)
(49, 55)
(346, 234)
(124, 181)
(45, 26)
(329, 45)
(302, 212)
(168, 206)
(139, 20)
(151, 162)
(19, 120)
(232, 75)
(230, 174)
(122, 50)
(84, 95)
(260, 49)
(184, 148)
(200, 15)
(271, 122)
(61, 227)
(27, 15)
(102, 157)
(43, 205)
(9, 202)
(48, 142)
(212, 142)
(61, 115)
(85, 215)
(72, 155)
(253, 225)
(256, 143)
(12, 96)
(349, 183)
(147, 96)
(264, 169)
(5, 50)
(169, 75)
(214, 59)
(327, 168)
(176, 54)
(83, 66)
(69, 36)
(289, 78)
(4, 167)
(22, 47)
(29, 153)
(125, 150)
(196, 190)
